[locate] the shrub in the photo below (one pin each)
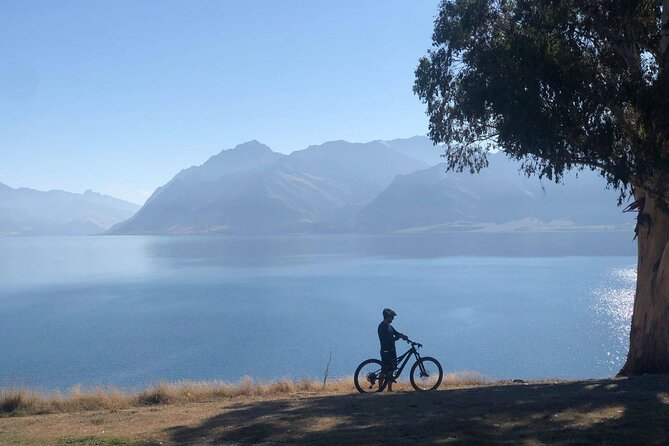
(10, 402)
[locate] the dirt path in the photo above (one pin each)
(623, 412)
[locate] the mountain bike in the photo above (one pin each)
(426, 373)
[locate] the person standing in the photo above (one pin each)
(387, 337)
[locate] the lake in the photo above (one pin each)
(129, 311)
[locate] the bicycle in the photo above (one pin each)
(369, 379)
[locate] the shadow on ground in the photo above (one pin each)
(610, 412)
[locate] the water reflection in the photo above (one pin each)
(615, 303)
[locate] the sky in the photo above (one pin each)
(119, 96)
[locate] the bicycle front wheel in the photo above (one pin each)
(368, 377)
(426, 374)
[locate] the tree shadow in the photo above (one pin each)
(617, 411)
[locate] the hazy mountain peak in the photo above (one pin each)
(325, 145)
(252, 145)
(337, 142)
(242, 152)
(416, 139)
(418, 147)
(251, 155)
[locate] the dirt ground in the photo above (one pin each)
(602, 412)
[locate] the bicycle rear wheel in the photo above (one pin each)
(426, 374)
(368, 377)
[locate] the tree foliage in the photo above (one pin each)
(557, 84)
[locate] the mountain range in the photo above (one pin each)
(497, 199)
(375, 187)
(251, 189)
(26, 211)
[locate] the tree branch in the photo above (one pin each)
(664, 28)
(484, 138)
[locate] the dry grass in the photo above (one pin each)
(189, 391)
(22, 401)
(464, 378)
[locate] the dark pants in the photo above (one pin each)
(388, 360)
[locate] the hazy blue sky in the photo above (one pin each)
(118, 96)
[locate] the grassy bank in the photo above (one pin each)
(601, 412)
(23, 401)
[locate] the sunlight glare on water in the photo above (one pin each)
(615, 299)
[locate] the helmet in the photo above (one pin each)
(388, 312)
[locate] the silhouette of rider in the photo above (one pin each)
(387, 337)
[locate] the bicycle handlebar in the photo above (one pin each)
(414, 344)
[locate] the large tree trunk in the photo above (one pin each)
(649, 336)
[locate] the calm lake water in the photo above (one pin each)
(130, 311)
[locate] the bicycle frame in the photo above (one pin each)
(404, 359)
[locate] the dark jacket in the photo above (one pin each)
(387, 336)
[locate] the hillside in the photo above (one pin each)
(497, 199)
(608, 411)
(26, 211)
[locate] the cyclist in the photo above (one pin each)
(387, 337)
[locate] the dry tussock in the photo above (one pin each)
(12, 400)
(22, 401)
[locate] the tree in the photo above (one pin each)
(566, 85)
